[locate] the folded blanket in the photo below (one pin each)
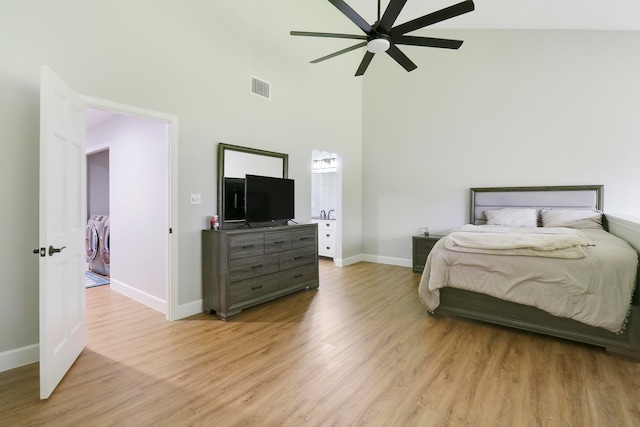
(550, 242)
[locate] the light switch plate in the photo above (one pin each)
(196, 199)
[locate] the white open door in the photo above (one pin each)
(62, 226)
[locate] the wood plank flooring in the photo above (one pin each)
(360, 351)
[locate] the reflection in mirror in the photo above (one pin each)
(234, 162)
(238, 164)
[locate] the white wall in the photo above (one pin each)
(98, 183)
(509, 108)
(192, 59)
(139, 205)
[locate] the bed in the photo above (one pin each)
(580, 284)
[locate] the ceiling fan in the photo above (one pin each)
(382, 36)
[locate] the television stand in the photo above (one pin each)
(245, 267)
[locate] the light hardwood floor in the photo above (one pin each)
(361, 350)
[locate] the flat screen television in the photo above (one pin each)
(268, 199)
(234, 199)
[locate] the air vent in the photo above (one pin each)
(260, 88)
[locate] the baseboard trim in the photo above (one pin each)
(139, 296)
(19, 357)
(400, 262)
(343, 262)
(188, 309)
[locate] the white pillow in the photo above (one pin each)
(572, 218)
(512, 217)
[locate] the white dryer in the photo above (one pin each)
(105, 246)
(93, 243)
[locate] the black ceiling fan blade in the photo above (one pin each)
(390, 15)
(352, 15)
(330, 35)
(401, 58)
(340, 52)
(427, 42)
(365, 63)
(435, 17)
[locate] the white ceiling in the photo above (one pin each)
(519, 14)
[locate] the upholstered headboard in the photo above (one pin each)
(559, 197)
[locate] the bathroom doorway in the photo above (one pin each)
(326, 202)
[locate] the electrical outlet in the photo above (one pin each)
(196, 199)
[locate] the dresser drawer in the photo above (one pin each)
(256, 287)
(299, 277)
(327, 236)
(327, 249)
(298, 257)
(423, 250)
(246, 246)
(302, 238)
(326, 225)
(277, 242)
(425, 245)
(245, 268)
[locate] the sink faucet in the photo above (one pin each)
(323, 214)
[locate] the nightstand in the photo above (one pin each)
(422, 246)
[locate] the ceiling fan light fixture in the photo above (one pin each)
(378, 45)
(384, 36)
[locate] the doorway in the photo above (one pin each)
(138, 146)
(326, 202)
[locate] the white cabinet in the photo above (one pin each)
(326, 237)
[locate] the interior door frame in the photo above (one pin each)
(337, 259)
(172, 121)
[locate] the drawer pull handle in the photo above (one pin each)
(247, 246)
(297, 276)
(327, 225)
(256, 266)
(255, 288)
(298, 257)
(328, 247)
(328, 235)
(279, 242)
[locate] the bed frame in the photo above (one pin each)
(482, 307)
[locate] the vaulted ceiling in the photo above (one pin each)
(520, 14)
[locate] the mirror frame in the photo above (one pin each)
(222, 149)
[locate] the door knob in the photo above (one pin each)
(53, 250)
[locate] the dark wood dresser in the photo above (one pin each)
(245, 267)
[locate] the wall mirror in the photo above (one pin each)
(234, 162)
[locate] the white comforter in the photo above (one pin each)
(543, 242)
(595, 290)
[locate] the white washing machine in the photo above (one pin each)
(105, 246)
(93, 243)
